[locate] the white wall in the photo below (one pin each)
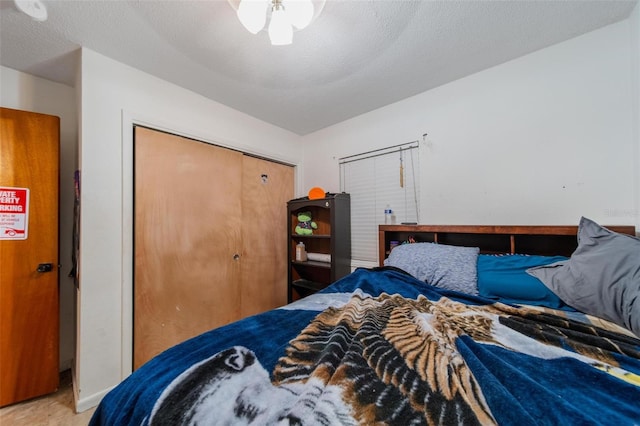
(113, 96)
(542, 139)
(28, 93)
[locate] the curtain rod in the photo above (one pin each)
(364, 155)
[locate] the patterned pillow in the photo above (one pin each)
(444, 266)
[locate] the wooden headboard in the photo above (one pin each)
(540, 240)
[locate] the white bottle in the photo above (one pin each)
(388, 215)
(301, 253)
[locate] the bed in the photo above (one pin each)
(382, 346)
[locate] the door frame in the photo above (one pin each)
(129, 120)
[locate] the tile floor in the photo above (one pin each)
(55, 409)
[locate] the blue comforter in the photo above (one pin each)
(381, 347)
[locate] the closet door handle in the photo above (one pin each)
(236, 257)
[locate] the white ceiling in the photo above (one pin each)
(357, 56)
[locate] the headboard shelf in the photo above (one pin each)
(545, 240)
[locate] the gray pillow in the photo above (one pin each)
(601, 278)
(450, 267)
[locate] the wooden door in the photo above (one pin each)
(29, 334)
(187, 239)
(267, 186)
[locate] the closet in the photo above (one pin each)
(210, 242)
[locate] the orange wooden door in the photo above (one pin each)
(187, 241)
(267, 186)
(29, 334)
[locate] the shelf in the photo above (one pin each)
(331, 237)
(312, 264)
(309, 285)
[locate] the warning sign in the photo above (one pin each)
(14, 213)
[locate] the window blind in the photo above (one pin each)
(375, 180)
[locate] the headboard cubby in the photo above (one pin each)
(538, 239)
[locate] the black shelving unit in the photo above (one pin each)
(332, 214)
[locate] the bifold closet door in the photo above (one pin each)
(187, 239)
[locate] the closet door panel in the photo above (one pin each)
(187, 225)
(267, 186)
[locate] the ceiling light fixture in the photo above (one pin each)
(284, 16)
(34, 8)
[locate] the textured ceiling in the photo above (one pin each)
(357, 56)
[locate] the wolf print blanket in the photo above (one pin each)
(385, 353)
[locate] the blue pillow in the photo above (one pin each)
(504, 277)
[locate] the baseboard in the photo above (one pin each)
(362, 264)
(89, 402)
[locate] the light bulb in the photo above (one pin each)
(300, 12)
(280, 29)
(253, 14)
